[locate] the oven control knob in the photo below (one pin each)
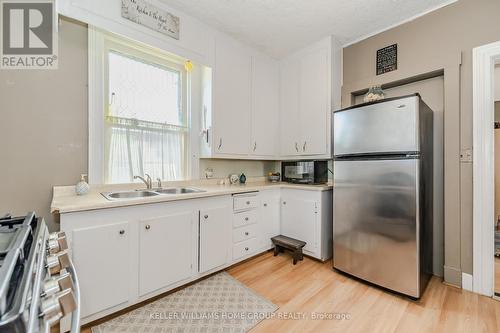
(57, 283)
(55, 245)
(54, 307)
(58, 261)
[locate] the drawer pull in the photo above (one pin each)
(205, 217)
(246, 249)
(246, 233)
(122, 232)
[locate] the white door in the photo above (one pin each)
(265, 106)
(270, 219)
(101, 257)
(232, 100)
(165, 250)
(314, 103)
(289, 108)
(299, 219)
(215, 237)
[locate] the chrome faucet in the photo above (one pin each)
(147, 181)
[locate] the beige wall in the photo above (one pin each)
(43, 127)
(440, 40)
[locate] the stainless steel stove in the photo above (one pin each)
(38, 283)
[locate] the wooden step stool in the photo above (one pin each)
(283, 242)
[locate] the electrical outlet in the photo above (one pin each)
(466, 155)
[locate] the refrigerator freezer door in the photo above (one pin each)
(375, 208)
(386, 127)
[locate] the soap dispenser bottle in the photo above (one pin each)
(82, 187)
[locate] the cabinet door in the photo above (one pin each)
(265, 106)
(289, 108)
(215, 237)
(101, 258)
(314, 102)
(270, 219)
(165, 250)
(232, 100)
(299, 219)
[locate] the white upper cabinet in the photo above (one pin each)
(289, 107)
(306, 99)
(265, 106)
(268, 109)
(314, 102)
(232, 98)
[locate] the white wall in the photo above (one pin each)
(497, 82)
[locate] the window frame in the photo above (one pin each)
(100, 43)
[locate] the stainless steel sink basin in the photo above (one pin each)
(137, 194)
(179, 190)
(129, 195)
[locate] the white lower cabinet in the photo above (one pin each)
(307, 216)
(215, 235)
(101, 255)
(165, 250)
(269, 225)
(125, 255)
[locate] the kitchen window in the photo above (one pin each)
(144, 126)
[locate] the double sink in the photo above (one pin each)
(137, 194)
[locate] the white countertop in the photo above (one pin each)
(65, 200)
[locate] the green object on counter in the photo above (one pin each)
(243, 178)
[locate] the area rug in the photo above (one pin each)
(219, 303)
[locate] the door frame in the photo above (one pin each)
(484, 59)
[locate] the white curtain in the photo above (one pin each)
(137, 150)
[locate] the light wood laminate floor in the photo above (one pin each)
(497, 275)
(313, 288)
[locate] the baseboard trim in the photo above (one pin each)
(467, 281)
(453, 276)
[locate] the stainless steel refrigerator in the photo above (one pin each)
(382, 197)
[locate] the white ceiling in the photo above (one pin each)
(278, 27)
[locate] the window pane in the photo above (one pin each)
(145, 127)
(140, 90)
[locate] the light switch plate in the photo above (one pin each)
(466, 155)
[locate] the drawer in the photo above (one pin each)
(245, 248)
(244, 218)
(245, 202)
(244, 233)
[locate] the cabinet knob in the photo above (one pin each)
(248, 202)
(205, 217)
(265, 205)
(246, 218)
(284, 202)
(246, 233)
(246, 248)
(147, 227)
(122, 232)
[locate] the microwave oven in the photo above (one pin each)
(304, 172)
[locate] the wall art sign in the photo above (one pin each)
(143, 13)
(387, 59)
